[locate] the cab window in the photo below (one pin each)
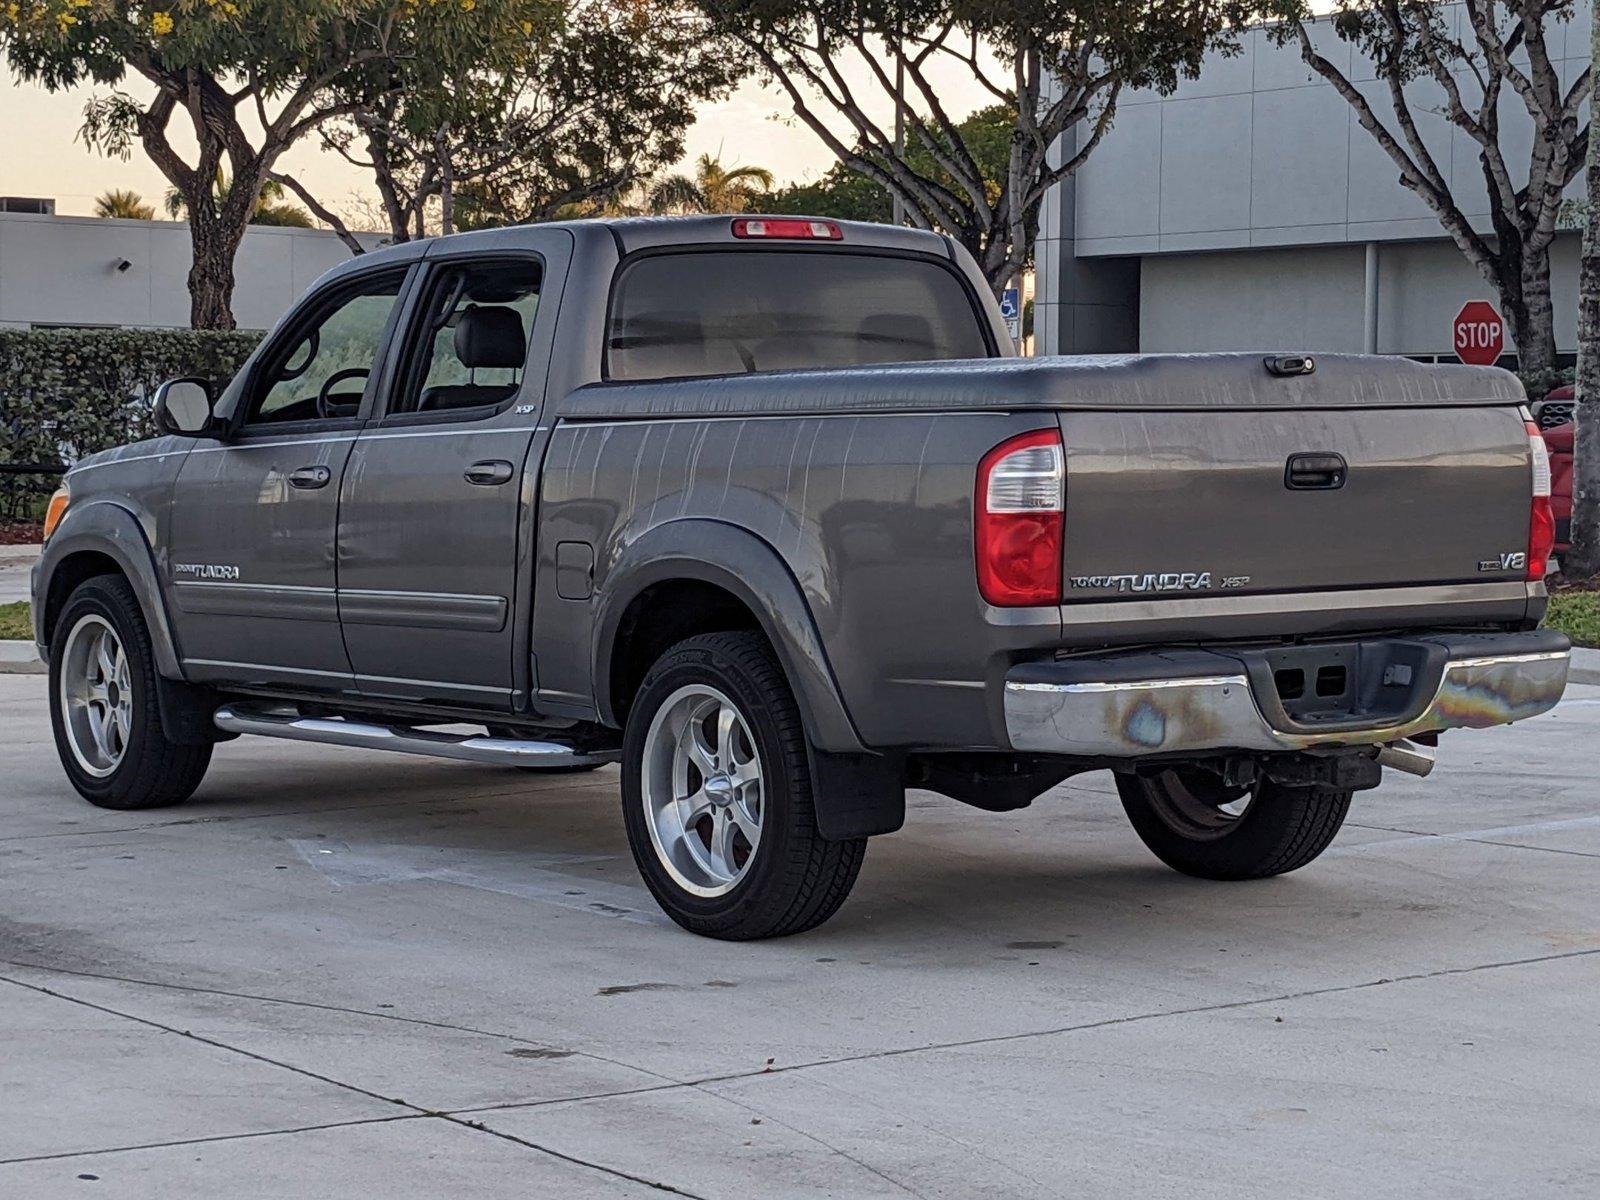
(470, 348)
(321, 370)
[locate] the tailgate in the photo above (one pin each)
(1175, 502)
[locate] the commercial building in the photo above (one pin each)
(83, 271)
(1249, 210)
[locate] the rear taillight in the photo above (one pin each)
(1022, 486)
(787, 227)
(1542, 523)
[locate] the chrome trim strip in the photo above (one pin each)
(423, 610)
(337, 731)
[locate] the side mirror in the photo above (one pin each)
(183, 407)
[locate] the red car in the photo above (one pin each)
(1554, 415)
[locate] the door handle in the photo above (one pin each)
(489, 472)
(1315, 472)
(310, 477)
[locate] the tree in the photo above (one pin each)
(713, 188)
(1583, 561)
(850, 196)
(598, 106)
(1495, 71)
(246, 79)
(1058, 66)
(270, 208)
(123, 204)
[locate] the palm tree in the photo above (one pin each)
(271, 208)
(714, 188)
(123, 204)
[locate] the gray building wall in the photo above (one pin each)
(63, 271)
(1243, 203)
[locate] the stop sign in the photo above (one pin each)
(1478, 335)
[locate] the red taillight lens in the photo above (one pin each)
(787, 227)
(1542, 521)
(1021, 512)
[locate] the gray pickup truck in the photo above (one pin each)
(768, 510)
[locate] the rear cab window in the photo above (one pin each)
(679, 314)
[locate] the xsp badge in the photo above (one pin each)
(205, 570)
(1511, 560)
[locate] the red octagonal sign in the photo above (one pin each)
(1479, 335)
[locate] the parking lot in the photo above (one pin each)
(338, 972)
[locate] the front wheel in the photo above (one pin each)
(1197, 824)
(103, 706)
(716, 795)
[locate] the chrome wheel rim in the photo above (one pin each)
(96, 696)
(702, 789)
(1197, 803)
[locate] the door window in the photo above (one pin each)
(320, 370)
(471, 347)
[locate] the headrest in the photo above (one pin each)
(905, 331)
(490, 336)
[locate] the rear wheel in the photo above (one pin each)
(103, 707)
(716, 795)
(1197, 824)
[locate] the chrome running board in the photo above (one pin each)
(340, 731)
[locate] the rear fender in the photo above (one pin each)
(858, 793)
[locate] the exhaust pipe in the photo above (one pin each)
(1408, 756)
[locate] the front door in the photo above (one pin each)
(252, 562)
(428, 560)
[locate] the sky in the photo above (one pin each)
(45, 157)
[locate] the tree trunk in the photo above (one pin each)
(211, 276)
(1533, 325)
(1584, 559)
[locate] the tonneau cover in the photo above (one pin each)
(1084, 382)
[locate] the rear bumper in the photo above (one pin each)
(1191, 701)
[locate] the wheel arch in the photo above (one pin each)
(103, 538)
(739, 581)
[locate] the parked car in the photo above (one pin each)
(1559, 443)
(767, 510)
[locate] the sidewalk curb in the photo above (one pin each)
(1585, 666)
(20, 658)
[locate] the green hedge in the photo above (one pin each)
(65, 393)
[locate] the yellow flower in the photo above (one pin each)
(64, 20)
(527, 27)
(162, 23)
(468, 5)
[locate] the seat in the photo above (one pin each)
(488, 337)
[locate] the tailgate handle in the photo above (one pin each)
(1313, 472)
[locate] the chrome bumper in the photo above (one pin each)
(1481, 681)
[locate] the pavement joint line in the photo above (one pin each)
(201, 1141)
(1479, 837)
(666, 1080)
(416, 1110)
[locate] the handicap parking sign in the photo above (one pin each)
(1011, 310)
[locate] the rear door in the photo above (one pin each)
(251, 563)
(435, 492)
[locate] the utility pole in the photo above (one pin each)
(899, 108)
(1583, 561)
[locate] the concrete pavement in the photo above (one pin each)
(340, 974)
(15, 563)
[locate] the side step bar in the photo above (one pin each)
(339, 731)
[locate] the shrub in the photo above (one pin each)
(66, 393)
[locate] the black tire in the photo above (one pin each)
(794, 879)
(153, 770)
(1180, 815)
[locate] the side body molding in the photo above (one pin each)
(737, 561)
(105, 527)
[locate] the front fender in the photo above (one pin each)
(737, 561)
(107, 528)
